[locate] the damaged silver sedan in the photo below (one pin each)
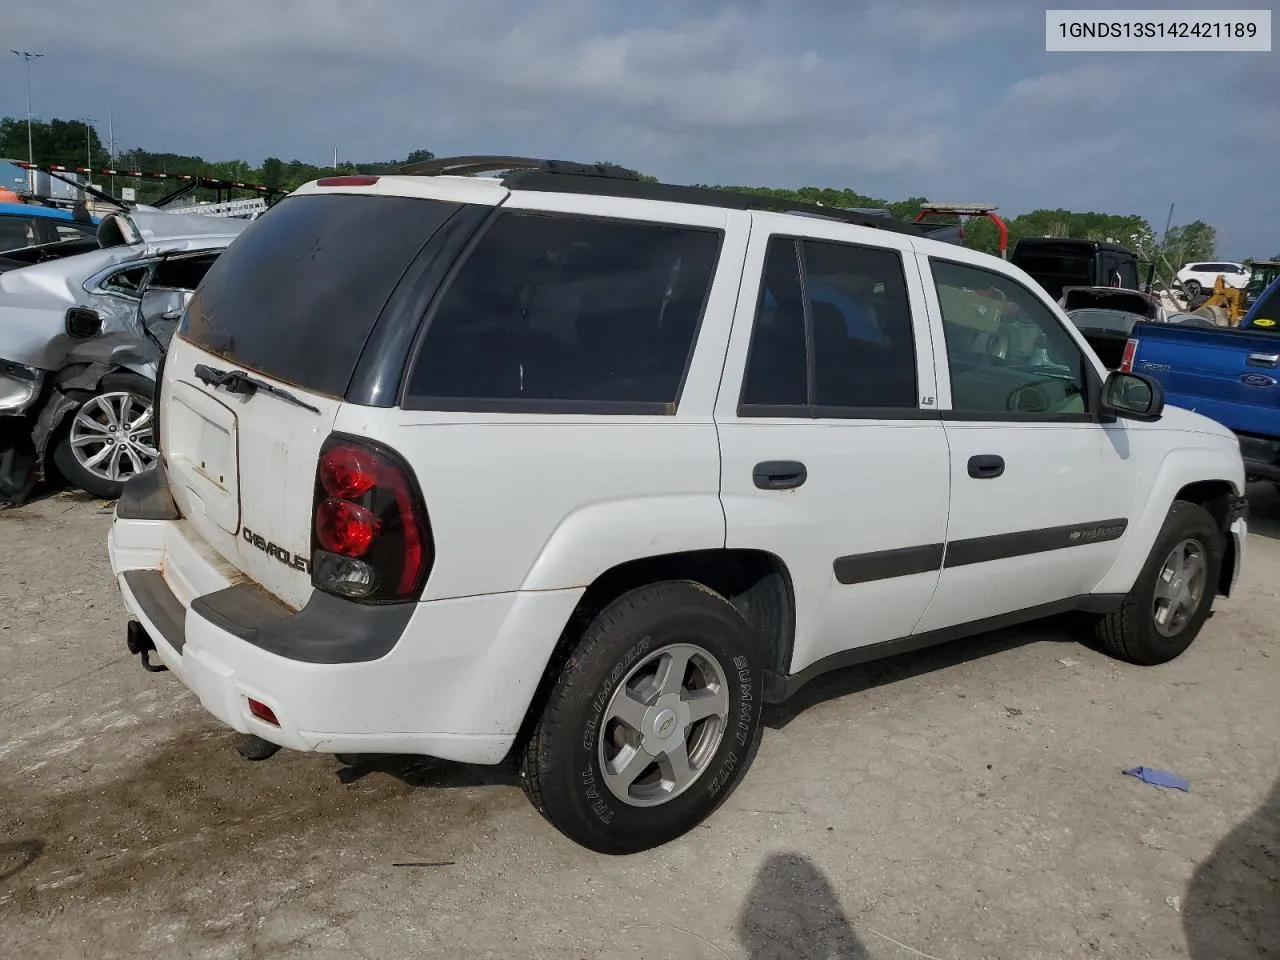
(81, 341)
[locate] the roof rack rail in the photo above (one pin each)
(567, 176)
(467, 166)
(551, 182)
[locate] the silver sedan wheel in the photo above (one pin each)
(113, 436)
(663, 724)
(1180, 587)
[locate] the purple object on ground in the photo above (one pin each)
(1159, 778)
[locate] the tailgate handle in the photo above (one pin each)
(1264, 359)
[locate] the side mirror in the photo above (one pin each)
(83, 323)
(1133, 396)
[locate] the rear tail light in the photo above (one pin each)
(1130, 350)
(370, 539)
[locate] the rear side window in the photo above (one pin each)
(577, 313)
(296, 295)
(842, 341)
(184, 273)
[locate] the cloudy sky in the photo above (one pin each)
(950, 99)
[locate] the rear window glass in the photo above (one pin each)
(296, 295)
(555, 309)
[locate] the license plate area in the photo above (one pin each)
(201, 443)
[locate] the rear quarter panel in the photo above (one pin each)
(551, 501)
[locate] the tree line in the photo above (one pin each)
(74, 143)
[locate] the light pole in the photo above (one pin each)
(27, 58)
(88, 146)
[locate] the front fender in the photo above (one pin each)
(600, 536)
(1207, 461)
(61, 401)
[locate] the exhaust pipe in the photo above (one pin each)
(141, 645)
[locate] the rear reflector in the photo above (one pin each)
(1126, 362)
(263, 712)
(355, 180)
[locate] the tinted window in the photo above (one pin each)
(776, 372)
(183, 274)
(1129, 275)
(1006, 351)
(297, 294)
(568, 309)
(863, 350)
(854, 302)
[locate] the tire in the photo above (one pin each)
(75, 447)
(1133, 633)
(1192, 288)
(627, 648)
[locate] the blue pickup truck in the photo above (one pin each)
(1231, 375)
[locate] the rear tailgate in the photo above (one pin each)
(263, 359)
(1232, 376)
(242, 468)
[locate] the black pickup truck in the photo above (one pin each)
(1057, 263)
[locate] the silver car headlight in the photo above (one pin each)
(19, 387)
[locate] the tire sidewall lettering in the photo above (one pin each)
(592, 792)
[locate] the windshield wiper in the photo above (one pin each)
(237, 381)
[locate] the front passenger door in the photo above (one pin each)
(1041, 491)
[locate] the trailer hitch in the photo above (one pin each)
(141, 645)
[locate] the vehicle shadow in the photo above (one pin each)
(792, 912)
(1232, 907)
(417, 771)
(905, 666)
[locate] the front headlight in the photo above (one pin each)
(19, 386)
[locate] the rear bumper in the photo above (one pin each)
(454, 683)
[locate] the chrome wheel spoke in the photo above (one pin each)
(671, 673)
(629, 710)
(101, 455)
(675, 767)
(86, 422)
(626, 767)
(708, 703)
(143, 420)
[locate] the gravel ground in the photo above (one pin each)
(960, 804)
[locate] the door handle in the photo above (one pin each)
(779, 474)
(1264, 359)
(986, 466)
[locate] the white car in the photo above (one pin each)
(587, 471)
(1201, 276)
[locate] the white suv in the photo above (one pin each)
(1201, 276)
(586, 471)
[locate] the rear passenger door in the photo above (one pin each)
(833, 455)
